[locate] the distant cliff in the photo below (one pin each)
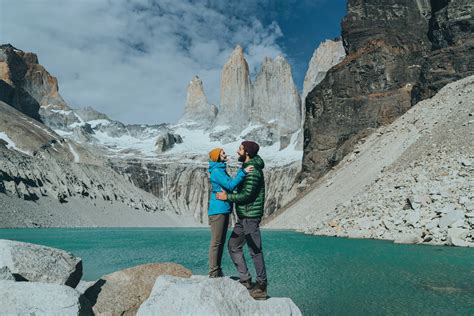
(25, 84)
(398, 52)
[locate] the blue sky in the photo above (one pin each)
(132, 59)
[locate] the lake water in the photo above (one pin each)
(323, 275)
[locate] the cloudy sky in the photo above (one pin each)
(132, 59)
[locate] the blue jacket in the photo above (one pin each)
(220, 180)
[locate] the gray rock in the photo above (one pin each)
(6, 274)
(457, 236)
(200, 295)
(463, 200)
(328, 54)
(469, 206)
(83, 286)
(413, 218)
(167, 141)
(465, 162)
(37, 263)
(409, 238)
(35, 298)
(431, 225)
(450, 218)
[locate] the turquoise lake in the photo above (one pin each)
(323, 275)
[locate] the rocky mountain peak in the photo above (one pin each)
(328, 54)
(275, 97)
(197, 110)
(195, 93)
(25, 84)
(236, 91)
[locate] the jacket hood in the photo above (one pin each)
(256, 161)
(215, 165)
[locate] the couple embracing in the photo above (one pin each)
(249, 198)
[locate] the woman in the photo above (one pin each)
(219, 211)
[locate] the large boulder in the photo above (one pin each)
(38, 263)
(200, 295)
(122, 292)
(167, 141)
(35, 298)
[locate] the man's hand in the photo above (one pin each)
(221, 195)
(249, 169)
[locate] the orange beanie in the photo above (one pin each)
(214, 154)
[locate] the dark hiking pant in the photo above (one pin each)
(219, 224)
(247, 230)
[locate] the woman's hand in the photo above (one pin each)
(249, 169)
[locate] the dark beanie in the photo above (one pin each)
(251, 148)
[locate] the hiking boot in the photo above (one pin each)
(259, 291)
(247, 283)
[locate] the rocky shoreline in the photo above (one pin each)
(410, 182)
(35, 279)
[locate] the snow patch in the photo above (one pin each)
(74, 153)
(11, 144)
(220, 128)
(62, 112)
(95, 123)
(248, 130)
(127, 142)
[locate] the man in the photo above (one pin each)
(249, 200)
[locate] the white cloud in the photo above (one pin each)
(133, 59)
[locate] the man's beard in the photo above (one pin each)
(241, 158)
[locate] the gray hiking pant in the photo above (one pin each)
(219, 224)
(247, 230)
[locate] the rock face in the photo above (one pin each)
(186, 187)
(37, 263)
(166, 141)
(122, 292)
(275, 96)
(451, 58)
(204, 296)
(39, 164)
(28, 298)
(198, 111)
(410, 181)
(32, 138)
(236, 92)
(393, 60)
(25, 84)
(328, 54)
(266, 111)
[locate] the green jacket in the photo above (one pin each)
(250, 197)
